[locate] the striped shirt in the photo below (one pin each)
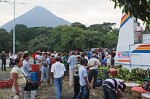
(113, 84)
(72, 60)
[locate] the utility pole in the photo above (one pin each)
(13, 4)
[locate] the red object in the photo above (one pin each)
(113, 72)
(33, 55)
(6, 83)
(35, 67)
(148, 83)
(3, 84)
(138, 89)
(52, 61)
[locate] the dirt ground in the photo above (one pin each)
(48, 92)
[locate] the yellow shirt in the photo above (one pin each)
(21, 81)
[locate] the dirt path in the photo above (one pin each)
(48, 92)
(67, 92)
(5, 75)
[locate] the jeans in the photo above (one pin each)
(92, 73)
(58, 87)
(84, 92)
(45, 73)
(108, 93)
(3, 65)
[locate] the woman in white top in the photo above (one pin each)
(19, 80)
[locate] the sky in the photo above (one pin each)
(87, 12)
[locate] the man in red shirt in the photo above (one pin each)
(33, 55)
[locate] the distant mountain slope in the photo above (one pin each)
(36, 17)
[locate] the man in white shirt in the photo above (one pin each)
(138, 33)
(93, 64)
(83, 80)
(58, 70)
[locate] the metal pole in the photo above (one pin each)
(13, 4)
(14, 29)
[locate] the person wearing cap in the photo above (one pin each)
(44, 69)
(112, 87)
(3, 58)
(93, 65)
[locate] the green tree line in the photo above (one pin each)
(61, 38)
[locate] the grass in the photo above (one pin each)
(5, 93)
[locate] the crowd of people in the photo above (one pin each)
(79, 66)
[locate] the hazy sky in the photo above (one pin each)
(84, 11)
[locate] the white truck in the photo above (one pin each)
(128, 53)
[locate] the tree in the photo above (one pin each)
(5, 41)
(78, 24)
(110, 40)
(93, 39)
(41, 42)
(65, 38)
(138, 8)
(104, 28)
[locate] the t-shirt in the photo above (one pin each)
(72, 60)
(82, 74)
(44, 63)
(21, 79)
(26, 68)
(92, 62)
(109, 59)
(37, 58)
(58, 69)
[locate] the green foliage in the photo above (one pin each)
(138, 8)
(5, 41)
(60, 38)
(137, 75)
(104, 28)
(93, 38)
(110, 40)
(67, 38)
(39, 42)
(78, 24)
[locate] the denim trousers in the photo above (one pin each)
(108, 93)
(84, 93)
(45, 73)
(58, 87)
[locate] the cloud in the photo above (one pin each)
(84, 11)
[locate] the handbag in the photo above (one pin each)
(31, 86)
